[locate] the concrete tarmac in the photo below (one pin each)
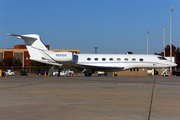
(89, 98)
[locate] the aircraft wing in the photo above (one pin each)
(74, 68)
(79, 68)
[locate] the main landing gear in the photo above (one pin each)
(87, 74)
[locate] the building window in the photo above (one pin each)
(88, 59)
(104, 59)
(118, 59)
(141, 59)
(111, 59)
(96, 59)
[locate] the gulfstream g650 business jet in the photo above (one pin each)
(90, 62)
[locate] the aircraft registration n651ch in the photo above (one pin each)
(90, 62)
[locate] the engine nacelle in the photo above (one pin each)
(62, 56)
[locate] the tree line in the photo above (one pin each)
(175, 53)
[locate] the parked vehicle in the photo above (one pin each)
(102, 73)
(42, 72)
(176, 73)
(23, 73)
(10, 73)
(70, 72)
(64, 72)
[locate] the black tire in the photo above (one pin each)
(87, 74)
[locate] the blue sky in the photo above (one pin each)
(115, 26)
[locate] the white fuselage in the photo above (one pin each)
(122, 61)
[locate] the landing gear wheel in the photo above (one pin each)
(87, 74)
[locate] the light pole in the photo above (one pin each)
(164, 38)
(171, 34)
(95, 49)
(147, 40)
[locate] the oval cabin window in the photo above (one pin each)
(141, 59)
(111, 59)
(118, 59)
(126, 59)
(96, 59)
(103, 59)
(134, 59)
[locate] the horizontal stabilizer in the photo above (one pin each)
(23, 36)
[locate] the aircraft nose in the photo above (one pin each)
(172, 64)
(175, 64)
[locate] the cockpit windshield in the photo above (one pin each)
(162, 58)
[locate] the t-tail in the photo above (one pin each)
(33, 44)
(39, 52)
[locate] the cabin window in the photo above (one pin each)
(96, 59)
(141, 59)
(111, 59)
(103, 59)
(118, 59)
(88, 59)
(134, 59)
(162, 58)
(126, 59)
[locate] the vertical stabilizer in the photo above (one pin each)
(33, 44)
